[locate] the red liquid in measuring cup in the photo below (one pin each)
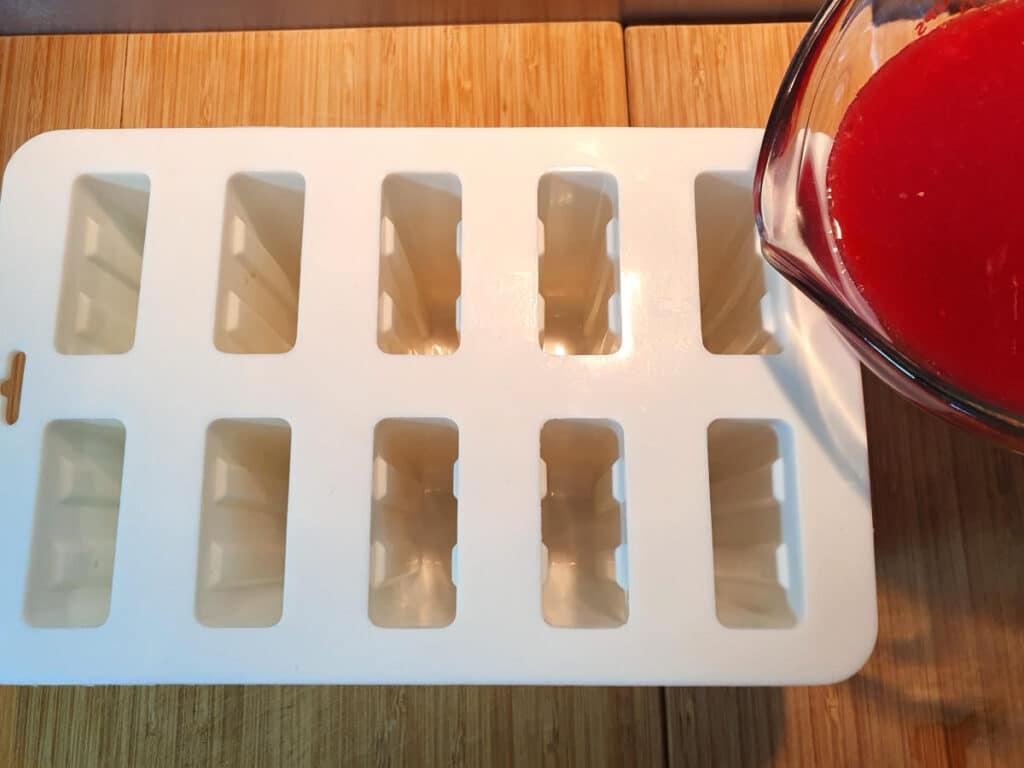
(926, 183)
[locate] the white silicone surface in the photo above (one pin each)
(419, 405)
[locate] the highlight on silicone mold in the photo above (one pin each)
(99, 298)
(243, 525)
(71, 567)
(413, 523)
(754, 522)
(420, 279)
(737, 290)
(261, 259)
(583, 523)
(579, 304)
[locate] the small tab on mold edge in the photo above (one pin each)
(10, 388)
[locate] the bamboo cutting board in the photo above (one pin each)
(943, 685)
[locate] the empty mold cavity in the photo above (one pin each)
(736, 309)
(578, 243)
(244, 521)
(420, 264)
(414, 512)
(261, 255)
(754, 524)
(72, 560)
(99, 300)
(583, 524)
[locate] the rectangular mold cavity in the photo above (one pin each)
(579, 304)
(737, 312)
(755, 536)
(99, 298)
(72, 562)
(420, 264)
(413, 525)
(583, 523)
(261, 258)
(243, 524)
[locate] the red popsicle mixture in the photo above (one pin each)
(926, 187)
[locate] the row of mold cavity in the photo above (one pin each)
(413, 512)
(420, 257)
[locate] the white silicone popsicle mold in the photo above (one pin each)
(419, 405)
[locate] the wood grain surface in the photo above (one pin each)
(48, 83)
(570, 74)
(334, 726)
(531, 74)
(943, 687)
(707, 76)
